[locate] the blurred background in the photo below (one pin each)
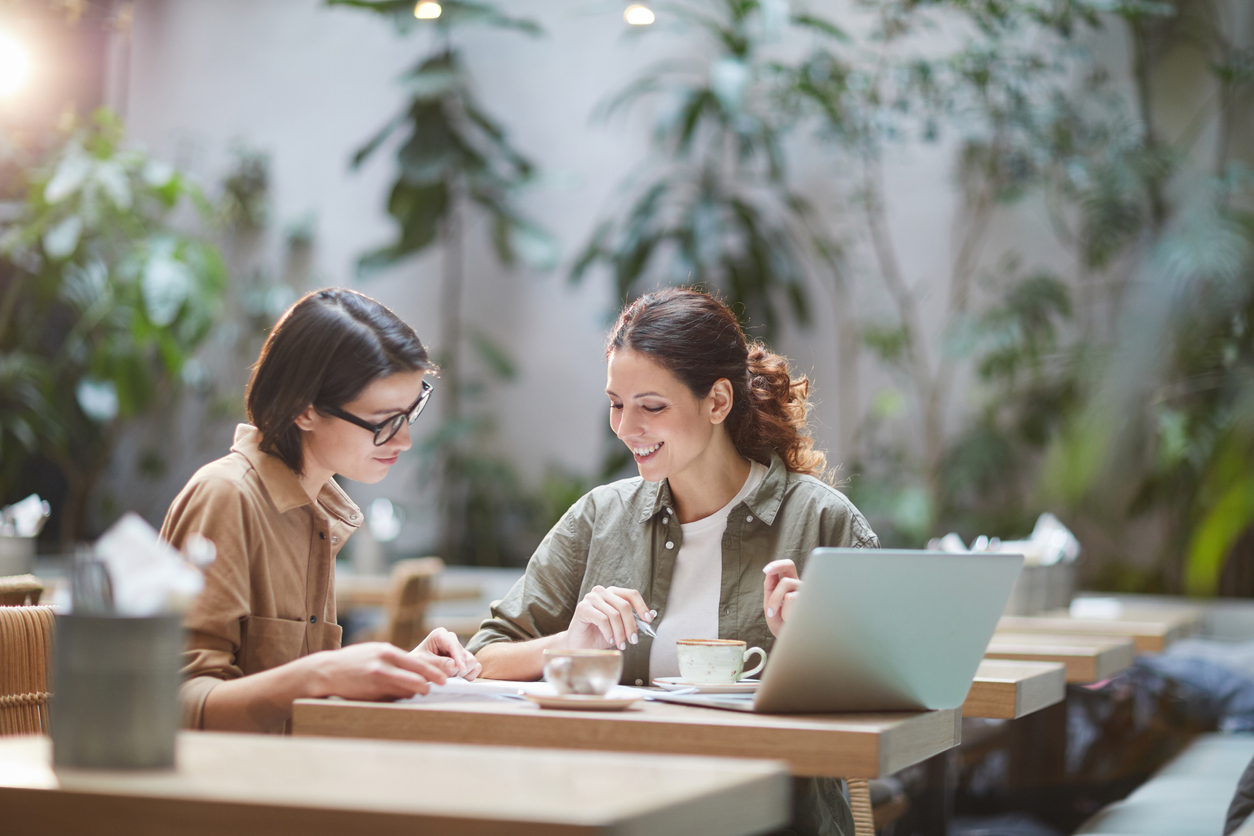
(1009, 241)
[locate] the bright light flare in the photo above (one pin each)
(14, 65)
(638, 15)
(427, 10)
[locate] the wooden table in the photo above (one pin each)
(1151, 632)
(834, 745)
(353, 590)
(1087, 658)
(259, 784)
(1006, 689)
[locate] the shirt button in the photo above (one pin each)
(352, 516)
(322, 534)
(749, 518)
(335, 539)
(669, 511)
(313, 619)
(639, 681)
(665, 520)
(669, 544)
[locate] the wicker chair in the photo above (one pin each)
(410, 591)
(25, 653)
(19, 590)
(860, 803)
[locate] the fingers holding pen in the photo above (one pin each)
(613, 613)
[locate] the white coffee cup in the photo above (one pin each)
(583, 672)
(715, 661)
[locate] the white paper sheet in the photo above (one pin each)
(456, 689)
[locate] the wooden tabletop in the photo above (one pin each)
(259, 784)
(353, 591)
(1151, 632)
(834, 745)
(1006, 689)
(1088, 658)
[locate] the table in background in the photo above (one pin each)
(268, 786)
(1151, 630)
(832, 745)
(1088, 658)
(463, 594)
(1006, 689)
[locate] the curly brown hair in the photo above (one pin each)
(699, 340)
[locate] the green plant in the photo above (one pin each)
(102, 302)
(455, 159)
(1115, 391)
(714, 207)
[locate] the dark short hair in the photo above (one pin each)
(325, 349)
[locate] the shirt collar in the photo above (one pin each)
(764, 500)
(657, 496)
(282, 484)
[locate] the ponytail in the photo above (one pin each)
(699, 340)
(775, 419)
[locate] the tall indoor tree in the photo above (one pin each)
(454, 160)
(714, 206)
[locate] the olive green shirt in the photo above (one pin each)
(625, 534)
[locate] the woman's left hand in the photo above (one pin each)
(444, 649)
(779, 588)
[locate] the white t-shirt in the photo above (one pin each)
(692, 604)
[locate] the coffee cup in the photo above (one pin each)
(716, 661)
(583, 672)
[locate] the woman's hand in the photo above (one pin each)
(370, 671)
(604, 618)
(779, 588)
(442, 647)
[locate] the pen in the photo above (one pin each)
(644, 626)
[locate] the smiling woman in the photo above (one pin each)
(709, 541)
(338, 382)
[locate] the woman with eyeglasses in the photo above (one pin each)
(338, 382)
(708, 542)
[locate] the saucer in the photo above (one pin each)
(678, 683)
(580, 702)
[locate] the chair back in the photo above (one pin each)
(19, 590)
(410, 591)
(25, 657)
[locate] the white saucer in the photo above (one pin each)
(678, 683)
(580, 702)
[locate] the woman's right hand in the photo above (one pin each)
(604, 619)
(370, 671)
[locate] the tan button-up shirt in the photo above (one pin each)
(269, 597)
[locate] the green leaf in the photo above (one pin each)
(493, 355)
(889, 342)
(1214, 537)
(818, 24)
(378, 139)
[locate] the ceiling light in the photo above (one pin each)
(427, 10)
(638, 15)
(14, 64)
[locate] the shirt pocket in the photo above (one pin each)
(325, 636)
(266, 643)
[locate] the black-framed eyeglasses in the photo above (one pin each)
(385, 430)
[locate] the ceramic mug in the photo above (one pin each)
(716, 661)
(585, 672)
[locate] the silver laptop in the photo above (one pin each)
(880, 630)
